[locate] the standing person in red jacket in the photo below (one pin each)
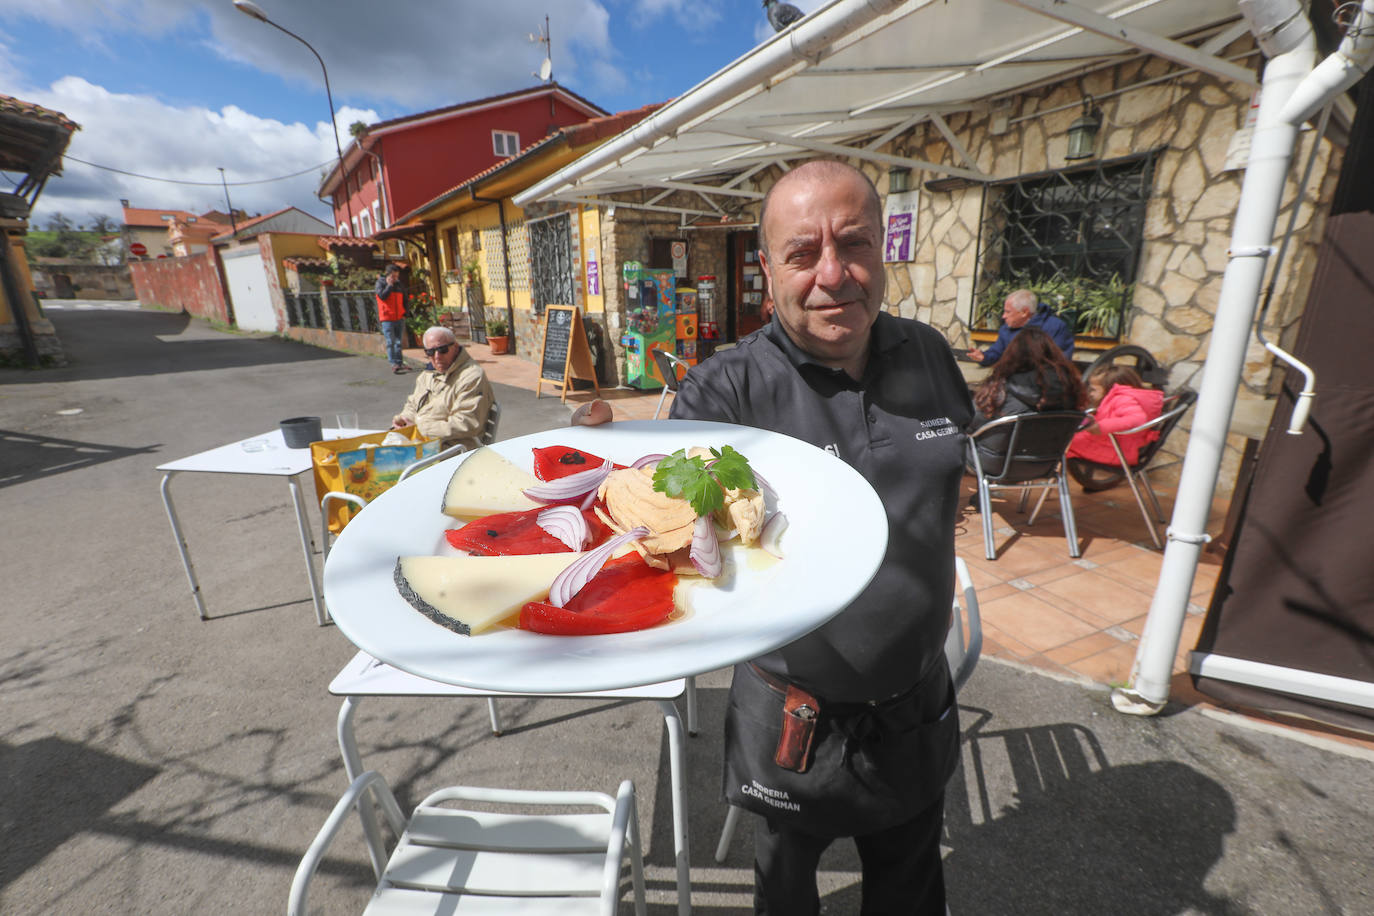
(391, 311)
(1122, 402)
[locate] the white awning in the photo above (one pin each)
(853, 75)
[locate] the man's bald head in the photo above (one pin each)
(820, 170)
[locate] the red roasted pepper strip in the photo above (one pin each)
(626, 595)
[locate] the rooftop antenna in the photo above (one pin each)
(545, 73)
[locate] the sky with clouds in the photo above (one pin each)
(177, 89)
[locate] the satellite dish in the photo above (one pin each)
(546, 70)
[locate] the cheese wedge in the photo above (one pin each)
(470, 594)
(485, 484)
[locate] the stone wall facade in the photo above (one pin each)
(1188, 120)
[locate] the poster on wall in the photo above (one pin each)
(679, 253)
(593, 273)
(899, 220)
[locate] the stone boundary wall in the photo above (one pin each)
(89, 281)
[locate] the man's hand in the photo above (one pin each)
(975, 354)
(594, 413)
(400, 422)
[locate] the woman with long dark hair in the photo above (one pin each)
(1033, 375)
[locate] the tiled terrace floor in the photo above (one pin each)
(1074, 617)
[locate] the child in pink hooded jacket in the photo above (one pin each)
(1123, 402)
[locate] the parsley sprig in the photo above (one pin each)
(703, 487)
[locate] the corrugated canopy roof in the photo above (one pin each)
(853, 75)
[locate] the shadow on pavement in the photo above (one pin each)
(55, 789)
(1076, 835)
(155, 343)
(25, 457)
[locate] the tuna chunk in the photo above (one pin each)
(631, 500)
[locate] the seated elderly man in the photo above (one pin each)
(450, 401)
(1020, 310)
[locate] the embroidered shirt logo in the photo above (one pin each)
(834, 449)
(934, 429)
(775, 797)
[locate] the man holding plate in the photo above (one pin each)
(851, 730)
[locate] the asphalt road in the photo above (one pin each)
(153, 763)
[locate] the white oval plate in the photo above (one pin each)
(835, 540)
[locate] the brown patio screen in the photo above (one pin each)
(1297, 588)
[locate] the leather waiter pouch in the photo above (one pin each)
(837, 769)
(800, 711)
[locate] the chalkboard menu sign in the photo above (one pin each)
(565, 354)
(557, 335)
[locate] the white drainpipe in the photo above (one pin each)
(1292, 92)
(805, 40)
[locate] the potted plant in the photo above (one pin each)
(497, 337)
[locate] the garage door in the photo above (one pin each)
(247, 278)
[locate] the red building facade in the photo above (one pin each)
(397, 165)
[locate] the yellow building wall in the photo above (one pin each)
(592, 267)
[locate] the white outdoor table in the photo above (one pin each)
(276, 460)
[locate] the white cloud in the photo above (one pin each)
(138, 133)
(415, 55)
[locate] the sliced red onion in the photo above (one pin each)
(567, 524)
(648, 460)
(724, 535)
(765, 487)
(589, 498)
(571, 580)
(705, 551)
(772, 532)
(572, 488)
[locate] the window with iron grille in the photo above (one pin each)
(1073, 237)
(493, 247)
(551, 265)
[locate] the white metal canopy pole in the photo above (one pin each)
(1293, 91)
(1252, 237)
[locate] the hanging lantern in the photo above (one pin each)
(1083, 131)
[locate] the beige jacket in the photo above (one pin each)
(451, 407)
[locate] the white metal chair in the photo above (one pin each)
(961, 653)
(506, 861)
(668, 365)
(366, 676)
(1096, 476)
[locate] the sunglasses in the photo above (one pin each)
(435, 351)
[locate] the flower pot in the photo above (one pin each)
(499, 345)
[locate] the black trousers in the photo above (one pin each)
(902, 870)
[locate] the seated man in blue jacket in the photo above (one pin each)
(1023, 309)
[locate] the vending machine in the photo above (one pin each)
(651, 309)
(687, 325)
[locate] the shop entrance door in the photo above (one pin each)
(747, 290)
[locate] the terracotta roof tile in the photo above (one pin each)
(331, 242)
(11, 105)
(299, 261)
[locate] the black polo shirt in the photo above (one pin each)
(901, 428)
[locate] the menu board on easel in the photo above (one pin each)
(565, 354)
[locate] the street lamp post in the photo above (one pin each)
(249, 8)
